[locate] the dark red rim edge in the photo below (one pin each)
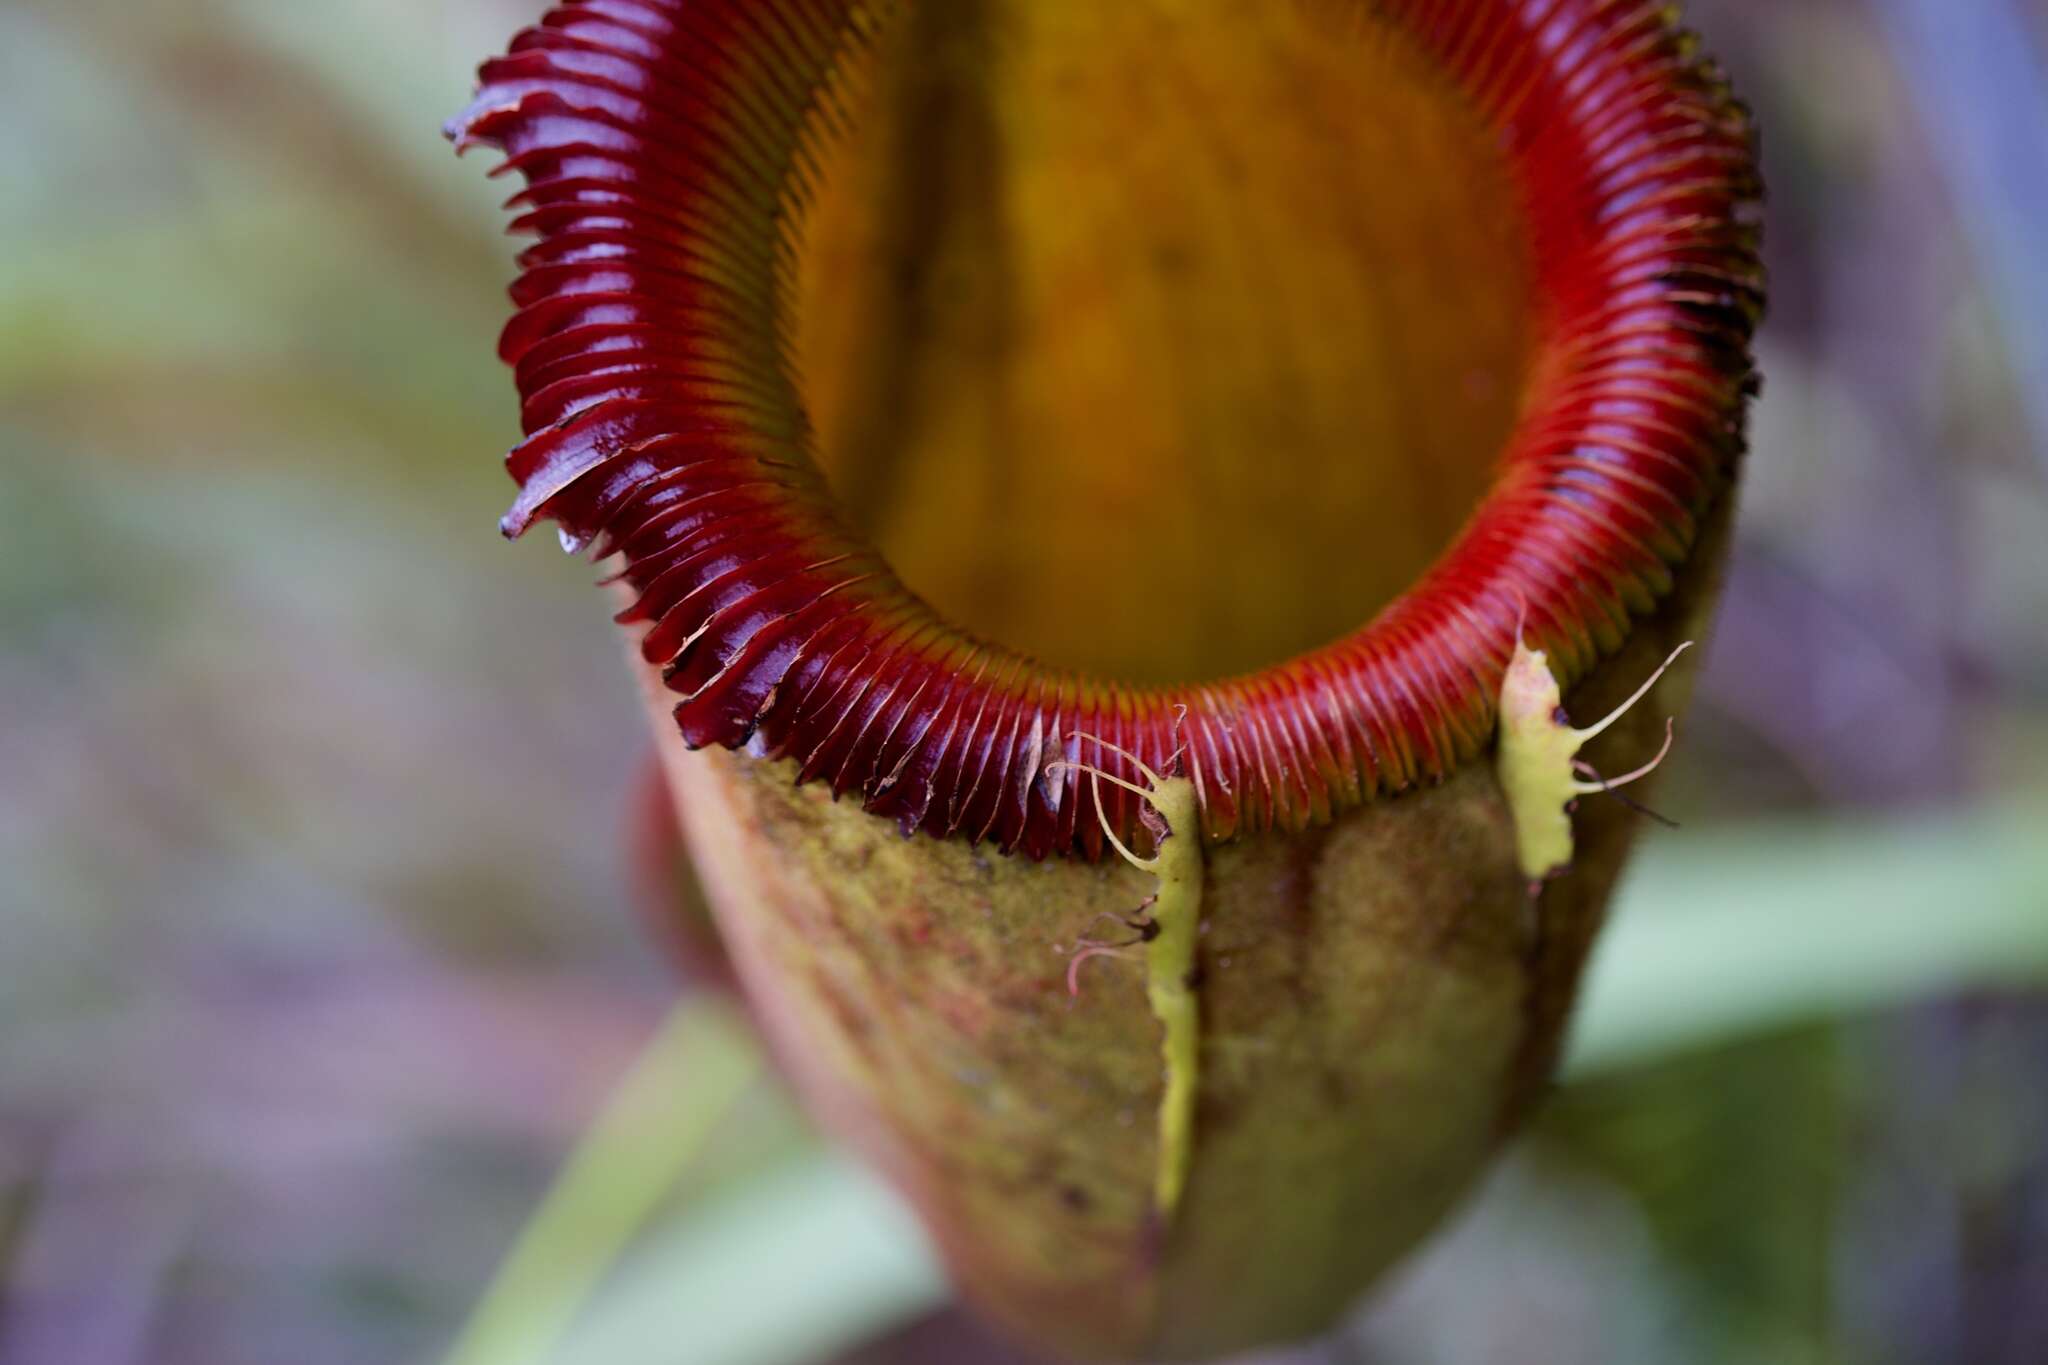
(667, 148)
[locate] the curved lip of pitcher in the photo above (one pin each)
(665, 150)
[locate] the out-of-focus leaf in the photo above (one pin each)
(1722, 935)
(1733, 1157)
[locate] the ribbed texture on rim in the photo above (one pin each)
(668, 147)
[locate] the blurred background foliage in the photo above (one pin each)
(318, 942)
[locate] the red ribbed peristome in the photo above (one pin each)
(668, 148)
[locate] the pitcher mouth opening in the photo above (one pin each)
(956, 384)
(1159, 341)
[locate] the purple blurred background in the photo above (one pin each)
(317, 943)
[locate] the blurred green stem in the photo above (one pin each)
(654, 1126)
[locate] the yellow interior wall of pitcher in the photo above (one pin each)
(1162, 339)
